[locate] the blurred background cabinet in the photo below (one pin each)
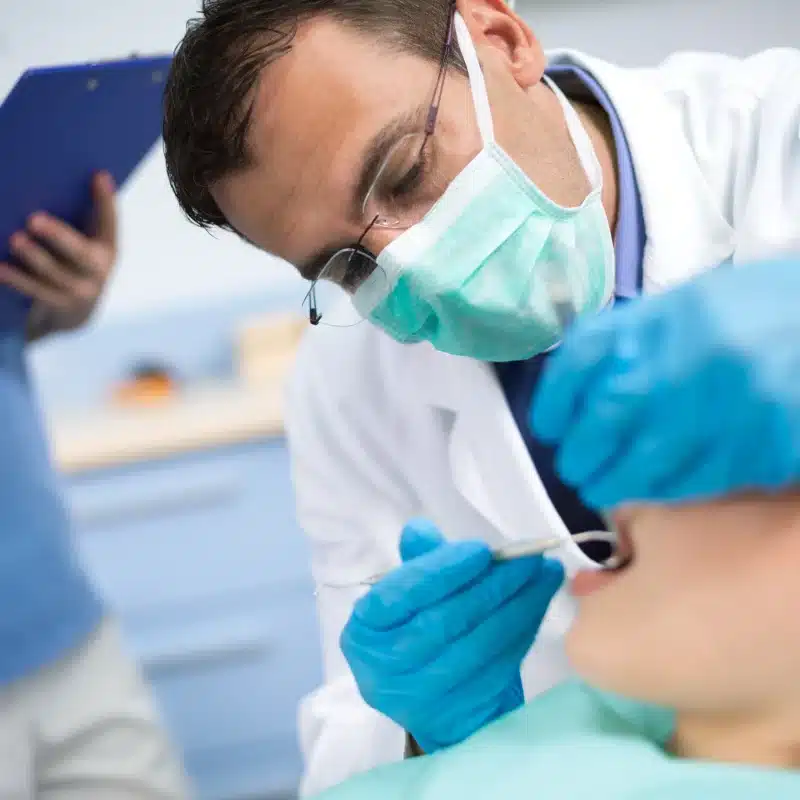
(184, 516)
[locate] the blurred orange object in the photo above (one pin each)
(145, 387)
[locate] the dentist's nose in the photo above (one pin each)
(377, 239)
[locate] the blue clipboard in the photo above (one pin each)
(61, 125)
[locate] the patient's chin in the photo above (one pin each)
(586, 653)
(606, 657)
(639, 664)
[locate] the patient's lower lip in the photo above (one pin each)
(588, 581)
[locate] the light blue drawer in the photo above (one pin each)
(229, 683)
(202, 560)
(189, 530)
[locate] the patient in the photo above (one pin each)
(705, 622)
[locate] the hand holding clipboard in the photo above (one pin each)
(64, 270)
(68, 135)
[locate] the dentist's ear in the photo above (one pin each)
(500, 33)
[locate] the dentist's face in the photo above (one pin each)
(707, 616)
(325, 113)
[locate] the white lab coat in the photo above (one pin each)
(380, 432)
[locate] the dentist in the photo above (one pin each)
(470, 194)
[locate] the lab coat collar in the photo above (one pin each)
(685, 227)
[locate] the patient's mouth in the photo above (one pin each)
(588, 581)
(623, 552)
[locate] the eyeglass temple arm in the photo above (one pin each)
(314, 317)
(433, 111)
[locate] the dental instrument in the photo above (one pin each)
(521, 549)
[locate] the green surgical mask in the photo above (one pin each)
(491, 268)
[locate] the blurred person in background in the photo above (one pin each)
(76, 719)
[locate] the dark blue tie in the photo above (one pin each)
(519, 380)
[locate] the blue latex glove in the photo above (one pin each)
(686, 395)
(437, 645)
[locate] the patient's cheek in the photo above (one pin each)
(702, 622)
(635, 657)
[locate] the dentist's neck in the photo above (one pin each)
(598, 126)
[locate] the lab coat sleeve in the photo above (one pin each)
(352, 505)
(742, 118)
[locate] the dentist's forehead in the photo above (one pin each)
(315, 116)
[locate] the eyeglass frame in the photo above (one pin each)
(314, 317)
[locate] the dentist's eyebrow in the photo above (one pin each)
(381, 145)
(373, 159)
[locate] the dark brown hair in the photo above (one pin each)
(217, 66)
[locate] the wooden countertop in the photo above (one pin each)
(200, 418)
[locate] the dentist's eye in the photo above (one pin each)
(407, 177)
(411, 181)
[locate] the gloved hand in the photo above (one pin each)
(685, 395)
(437, 645)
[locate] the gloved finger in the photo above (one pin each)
(409, 647)
(373, 655)
(475, 651)
(419, 536)
(413, 700)
(469, 706)
(614, 408)
(631, 475)
(569, 373)
(751, 462)
(671, 434)
(433, 630)
(421, 583)
(654, 452)
(705, 474)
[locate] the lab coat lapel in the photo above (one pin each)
(491, 467)
(686, 230)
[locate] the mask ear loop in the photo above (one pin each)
(477, 83)
(580, 137)
(483, 111)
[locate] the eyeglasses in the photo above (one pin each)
(405, 188)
